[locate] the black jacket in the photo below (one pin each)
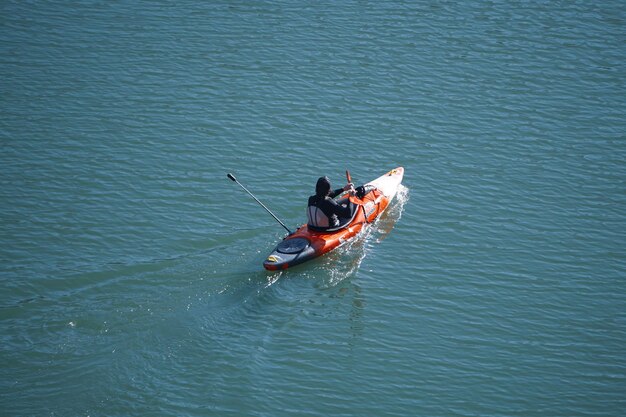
(330, 207)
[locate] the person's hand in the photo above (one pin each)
(349, 187)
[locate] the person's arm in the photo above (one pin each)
(335, 193)
(338, 191)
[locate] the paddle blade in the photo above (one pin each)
(232, 177)
(348, 177)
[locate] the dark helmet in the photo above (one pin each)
(322, 188)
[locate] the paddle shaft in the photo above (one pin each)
(232, 177)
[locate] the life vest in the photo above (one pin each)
(316, 217)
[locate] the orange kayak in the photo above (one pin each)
(306, 244)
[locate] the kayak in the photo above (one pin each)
(307, 243)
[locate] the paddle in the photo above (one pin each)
(232, 177)
(349, 178)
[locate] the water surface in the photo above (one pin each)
(130, 267)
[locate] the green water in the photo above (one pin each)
(131, 279)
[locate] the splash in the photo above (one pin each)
(272, 278)
(385, 223)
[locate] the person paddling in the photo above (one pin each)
(323, 212)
